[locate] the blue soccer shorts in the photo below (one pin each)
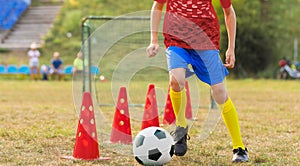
(206, 64)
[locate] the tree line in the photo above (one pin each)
(266, 30)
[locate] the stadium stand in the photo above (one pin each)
(10, 11)
(21, 23)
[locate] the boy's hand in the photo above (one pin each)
(230, 59)
(152, 50)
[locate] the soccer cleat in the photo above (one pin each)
(240, 155)
(180, 137)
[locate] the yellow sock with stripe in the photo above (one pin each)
(230, 118)
(179, 104)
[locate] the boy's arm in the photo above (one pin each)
(230, 21)
(156, 13)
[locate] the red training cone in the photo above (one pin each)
(86, 145)
(169, 116)
(121, 130)
(150, 117)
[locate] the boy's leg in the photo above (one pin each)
(178, 98)
(178, 95)
(179, 104)
(210, 69)
(230, 118)
(178, 60)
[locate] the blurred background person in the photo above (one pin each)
(77, 66)
(56, 66)
(34, 55)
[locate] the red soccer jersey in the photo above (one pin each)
(192, 24)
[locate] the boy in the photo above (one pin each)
(192, 36)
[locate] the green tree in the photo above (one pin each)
(253, 41)
(265, 33)
(284, 24)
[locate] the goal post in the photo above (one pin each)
(88, 26)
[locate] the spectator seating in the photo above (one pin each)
(2, 69)
(94, 70)
(23, 71)
(68, 70)
(10, 12)
(12, 69)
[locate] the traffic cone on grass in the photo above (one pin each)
(150, 117)
(86, 145)
(169, 116)
(121, 130)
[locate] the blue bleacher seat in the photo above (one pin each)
(10, 12)
(2, 69)
(24, 69)
(12, 69)
(95, 70)
(68, 69)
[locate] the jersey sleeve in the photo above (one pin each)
(161, 1)
(225, 3)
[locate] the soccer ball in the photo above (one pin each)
(153, 146)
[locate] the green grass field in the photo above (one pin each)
(38, 124)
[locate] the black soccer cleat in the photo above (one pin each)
(180, 137)
(240, 155)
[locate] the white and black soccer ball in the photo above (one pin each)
(153, 146)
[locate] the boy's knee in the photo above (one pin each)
(219, 93)
(176, 85)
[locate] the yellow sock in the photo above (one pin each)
(230, 118)
(179, 104)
